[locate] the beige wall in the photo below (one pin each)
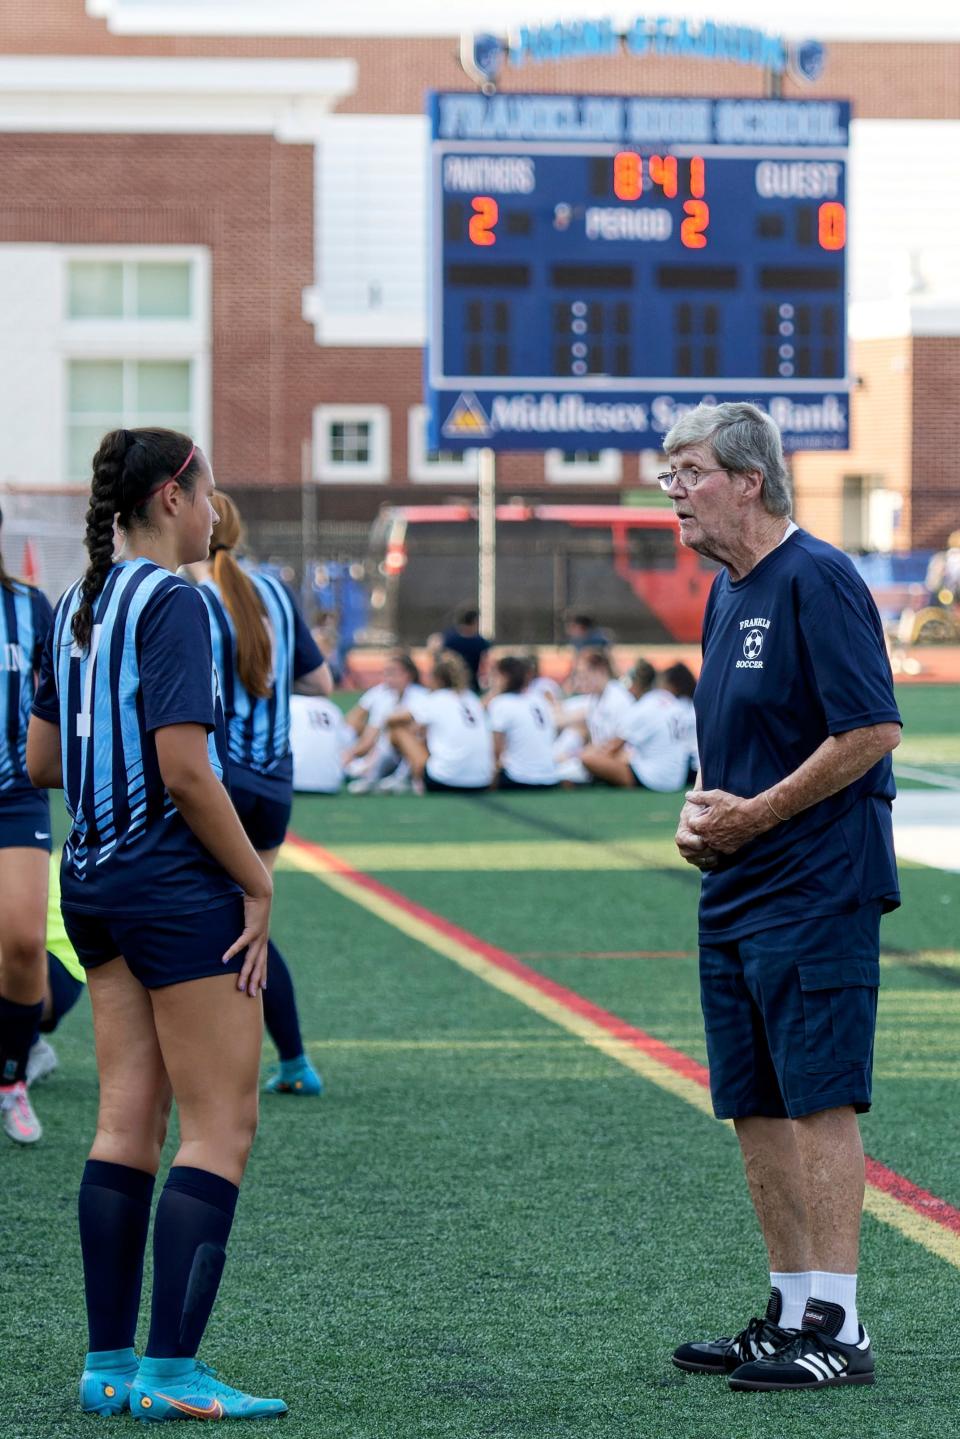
(881, 430)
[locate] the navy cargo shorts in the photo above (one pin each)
(790, 1015)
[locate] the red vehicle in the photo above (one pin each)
(623, 566)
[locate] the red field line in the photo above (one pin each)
(928, 1206)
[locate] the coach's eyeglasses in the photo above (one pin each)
(689, 479)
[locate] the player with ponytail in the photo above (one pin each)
(167, 907)
(25, 619)
(263, 652)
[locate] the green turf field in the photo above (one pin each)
(487, 1227)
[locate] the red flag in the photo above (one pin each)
(30, 565)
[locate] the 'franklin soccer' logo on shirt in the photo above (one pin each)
(753, 643)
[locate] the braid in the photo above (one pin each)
(105, 492)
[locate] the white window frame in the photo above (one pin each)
(608, 470)
(376, 470)
(426, 471)
(135, 339)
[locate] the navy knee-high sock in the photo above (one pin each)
(190, 1234)
(18, 1026)
(114, 1213)
(280, 1006)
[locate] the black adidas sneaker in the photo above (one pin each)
(722, 1356)
(814, 1358)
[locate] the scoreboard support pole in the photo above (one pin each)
(487, 537)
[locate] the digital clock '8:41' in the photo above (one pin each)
(662, 171)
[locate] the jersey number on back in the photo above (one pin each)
(84, 718)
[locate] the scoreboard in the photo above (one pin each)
(601, 263)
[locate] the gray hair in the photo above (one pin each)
(743, 438)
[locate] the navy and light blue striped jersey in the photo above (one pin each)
(258, 730)
(25, 620)
(148, 665)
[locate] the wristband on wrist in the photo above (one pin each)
(781, 818)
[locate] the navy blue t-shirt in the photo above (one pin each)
(149, 665)
(792, 654)
(258, 730)
(25, 620)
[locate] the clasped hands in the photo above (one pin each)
(713, 822)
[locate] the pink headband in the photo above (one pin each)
(190, 454)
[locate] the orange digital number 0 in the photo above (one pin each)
(692, 228)
(485, 216)
(832, 225)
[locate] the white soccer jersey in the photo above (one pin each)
(458, 737)
(607, 712)
(318, 736)
(527, 723)
(545, 688)
(658, 756)
(684, 721)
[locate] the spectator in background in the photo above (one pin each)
(646, 752)
(464, 639)
(582, 634)
(681, 682)
(943, 573)
(443, 735)
(319, 734)
(523, 728)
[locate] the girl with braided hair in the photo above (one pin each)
(263, 652)
(25, 619)
(168, 909)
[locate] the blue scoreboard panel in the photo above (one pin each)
(600, 263)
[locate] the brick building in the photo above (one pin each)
(225, 232)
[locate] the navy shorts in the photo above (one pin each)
(25, 820)
(264, 819)
(437, 786)
(790, 1015)
(160, 949)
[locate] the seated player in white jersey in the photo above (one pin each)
(523, 729)
(444, 735)
(319, 738)
(646, 751)
(539, 684)
(608, 702)
(371, 758)
(681, 682)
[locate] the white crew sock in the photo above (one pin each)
(795, 1289)
(838, 1289)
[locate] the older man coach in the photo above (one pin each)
(790, 824)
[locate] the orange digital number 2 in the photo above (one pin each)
(485, 216)
(692, 228)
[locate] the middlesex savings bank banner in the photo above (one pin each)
(601, 264)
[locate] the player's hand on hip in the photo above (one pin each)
(692, 847)
(256, 933)
(725, 822)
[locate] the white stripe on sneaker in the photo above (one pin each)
(811, 1368)
(865, 1341)
(836, 1362)
(816, 1366)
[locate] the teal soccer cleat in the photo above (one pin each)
(294, 1076)
(168, 1389)
(105, 1382)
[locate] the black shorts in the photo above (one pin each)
(25, 820)
(264, 819)
(160, 949)
(436, 786)
(505, 782)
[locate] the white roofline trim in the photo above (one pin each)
(131, 94)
